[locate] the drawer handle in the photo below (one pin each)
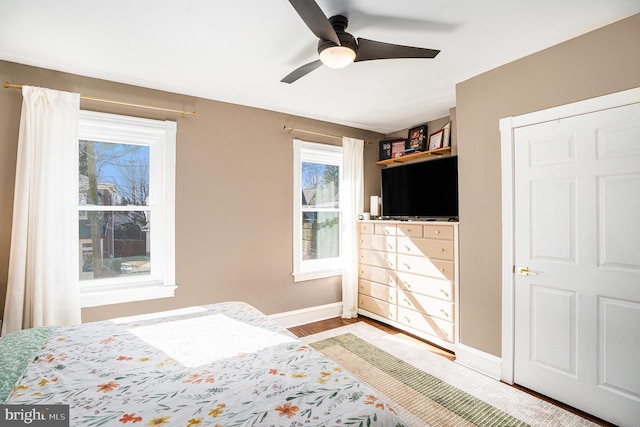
(408, 248)
(406, 265)
(444, 292)
(407, 284)
(442, 269)
(437, 231)
(444, 312)
(443, 249)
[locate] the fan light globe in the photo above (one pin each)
(337, 56)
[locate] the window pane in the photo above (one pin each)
(320, 185)
(114, 244)
(113, 174)
(320, 235)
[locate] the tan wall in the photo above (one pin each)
(233, 194)
(601, 62)
(234, 203)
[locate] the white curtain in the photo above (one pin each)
(352, 205)
(43, 287)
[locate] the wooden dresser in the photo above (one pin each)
(408, 277)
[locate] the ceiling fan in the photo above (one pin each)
(337, 48)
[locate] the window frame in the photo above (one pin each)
(312, 152)
(160, 137)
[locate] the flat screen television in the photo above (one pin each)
(423, 190)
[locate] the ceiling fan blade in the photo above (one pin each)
(301, 71)
(369, 50)
(315, 19)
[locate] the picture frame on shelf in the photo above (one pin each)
(417, 138)
(436, 140)
(397, 148)
(385, 150)
(447, 135)
(392, 148)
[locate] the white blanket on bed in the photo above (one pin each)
(219, 365)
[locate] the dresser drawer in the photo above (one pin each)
(377, 242)
(378, 259)
(410, 230)
(366, 227)
(385, 229)
(425, 285)
(378, 291)
(438, 232)
(427, 267)
(432, 248)
(427, 324)
(378, 307)
(434, 307)
(377, 274)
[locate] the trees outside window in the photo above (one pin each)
(114, 242)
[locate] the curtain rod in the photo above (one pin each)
(290, 129)
(8, 85)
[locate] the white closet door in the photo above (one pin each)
(577, 231)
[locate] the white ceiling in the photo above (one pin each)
(238, 50)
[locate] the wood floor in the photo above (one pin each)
(336, 322)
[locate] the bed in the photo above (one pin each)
(222, 365)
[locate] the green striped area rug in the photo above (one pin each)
(437, 392)
(412, 388)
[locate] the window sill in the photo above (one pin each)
(302, 276)
(105, 295)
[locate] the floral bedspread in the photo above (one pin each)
(218, 365)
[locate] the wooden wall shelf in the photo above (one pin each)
(415, 156)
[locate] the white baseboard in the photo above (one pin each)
(480, 361)
(308, 315)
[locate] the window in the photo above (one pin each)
(126, 194)
(317, 213)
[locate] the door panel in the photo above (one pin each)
(618, 366)
(616, 205)
(618, 141)
(577, 230)
(553, 222)
(556, 149)
(553, 329)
